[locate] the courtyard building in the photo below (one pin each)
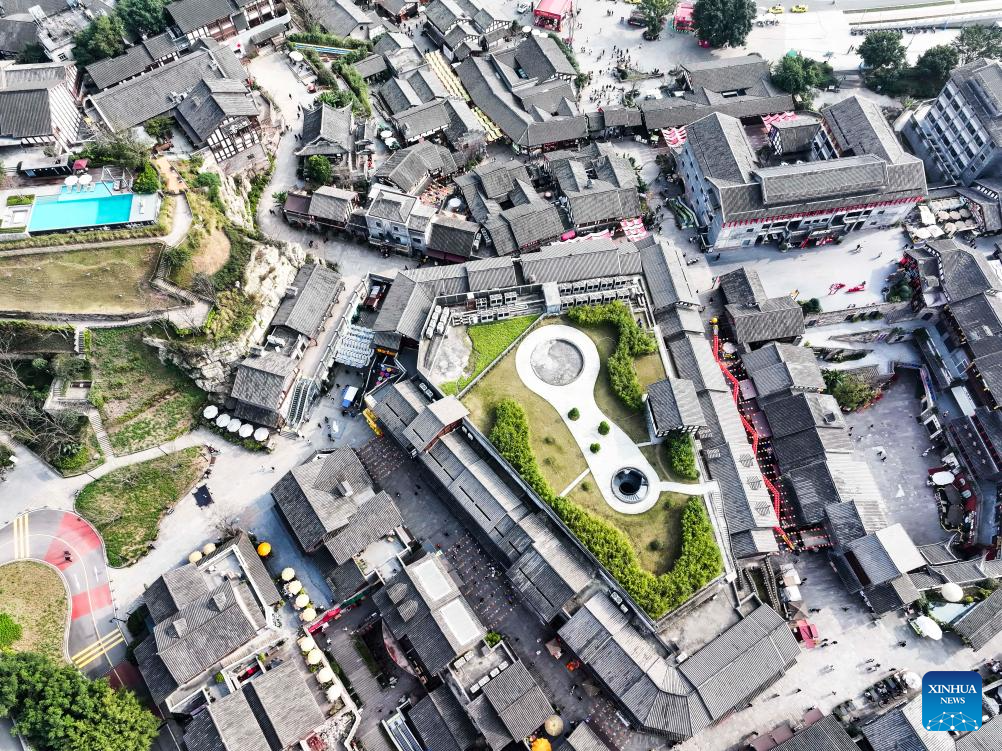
(39, 105)
(853, 175)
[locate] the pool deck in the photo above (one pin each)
(145, 208)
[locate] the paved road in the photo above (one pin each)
(94, 643)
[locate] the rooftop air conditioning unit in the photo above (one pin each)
(256, 350)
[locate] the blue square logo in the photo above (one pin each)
(951, 700)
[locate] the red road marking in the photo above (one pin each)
(97, 598)
(78, 533)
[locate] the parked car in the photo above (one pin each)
(798, 9)
(522, 7)
(776, 9)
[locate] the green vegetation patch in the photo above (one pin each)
(699, 560)
(850, 391)
(681, 457)
(95, 280)
(34, 609)
(126, 505)
(20, 200)
(143, 401)
(489, 341)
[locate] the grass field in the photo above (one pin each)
(143, 402)
(32, 594)
(96, 280)
(126, 505)
(561, 461)
(489, 341)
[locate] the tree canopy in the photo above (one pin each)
(800, 76)
(882, 49)
(142, 17)
(335, 98)
(318, 170)
(32, 53)
(56, 708)
(723, 23)
(160, 127)
(979, 41)
(934, 66)
(655, 12)
(103, 37)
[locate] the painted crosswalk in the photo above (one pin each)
(86, 656)
(21, 531)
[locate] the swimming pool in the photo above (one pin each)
(80, 208)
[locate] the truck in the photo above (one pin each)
(348, 396)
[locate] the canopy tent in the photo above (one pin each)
(549, 14)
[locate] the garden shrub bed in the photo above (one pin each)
(681, 457)
(698, 563)
(24, 199)
(489, 341)
(633, 342)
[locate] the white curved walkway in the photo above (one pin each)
(618, 450)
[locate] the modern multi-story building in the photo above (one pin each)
(962, 127)
(850, 174)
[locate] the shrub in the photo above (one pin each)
(633, 342)
(698, 563)
(681, 457)
(493, 638)
(148, 180)
(20, 200)
(603, 428)
(10, 631)
(318, 170)
(574, 414)
(159, 127)
(595, 448)
(812, 306)
(654, 545)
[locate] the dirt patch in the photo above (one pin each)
(33, 595)
(171, 180)
(213, 254)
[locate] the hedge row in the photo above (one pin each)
(681, 457)
(698, 563)
(633, 342)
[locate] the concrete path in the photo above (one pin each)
(618, 450)
(94, 641)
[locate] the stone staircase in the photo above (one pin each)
(94, 418)
(78, 340)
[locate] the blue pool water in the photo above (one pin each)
(88, 208)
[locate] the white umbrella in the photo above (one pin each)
(261, 435)
(210, 412)
(306, 643)
(245, 430)
(195, 556)
(294, 587)
(71, 180)
(302, 600)
(928, 627)
(943, 477)
(333, 693)
(308, 615)
(315, 657)
(952, 592)
(296, 57)
(325, 675)
(86, 179)
(209, 548)
(222, 421)
(911, 679)
(233, 425)
(288, 574)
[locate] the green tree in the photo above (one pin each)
(723, 23)
(801, 76)
(159, 127)
(850, 391)
(979, 41)
(148, 180)
(103, 37)
(56, 708)
(883, 49)
(142, 17)
(934, 66)
(120, 149)
(336, 98)
(10, 630)
(318, 170)
(655, 12)
(32, 53)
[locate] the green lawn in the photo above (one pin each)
(126, 505)
(143, 401)
(96, 280)
(489, 341)
(34, 597)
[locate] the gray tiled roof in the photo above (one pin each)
(331, 203)
(316, 498)
(173, 590)
(227, 724)
(986, 738)
(252, 565)
(409, 168)
(674, 404)
(327, 131)
(982, 623)
(317, 287)
(540, 57)
(963, 272)
(663, 272)
(727, 74)
(283, 704)
(583, 738)
(884, 555)
(518, 701)
(775, 318)
(422, 120)
(453, 235)
(26, 106)
(429, 423)
(211, 103)
(189, 15)
(778, 368)
(901, 730)
(263, 381)
(827, 734)
(370, 66)
(375, 518)
(135, 60)
(17, 31)
(340, 17)
(441, 722)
